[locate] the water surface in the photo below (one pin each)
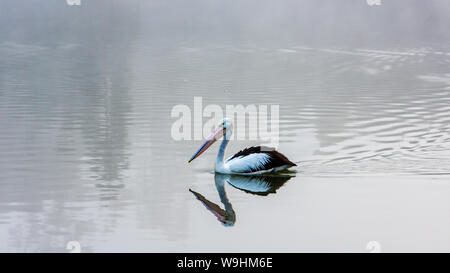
(86, 152)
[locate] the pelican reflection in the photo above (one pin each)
(257, 185)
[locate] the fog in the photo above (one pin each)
(346, 22)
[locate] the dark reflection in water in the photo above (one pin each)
(258, 185)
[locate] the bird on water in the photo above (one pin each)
(250, 161)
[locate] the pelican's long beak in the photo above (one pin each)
(215, 135)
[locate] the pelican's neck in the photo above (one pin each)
(221, 153)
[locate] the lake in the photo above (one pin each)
(87, 155)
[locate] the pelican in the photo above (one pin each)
(250, 161)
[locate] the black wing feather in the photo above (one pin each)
(276, 159)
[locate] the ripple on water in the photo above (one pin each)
(403, 118)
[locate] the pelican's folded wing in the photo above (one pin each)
(256, 159)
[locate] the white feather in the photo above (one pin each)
(246, 163)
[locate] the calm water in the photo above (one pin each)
(86, 152)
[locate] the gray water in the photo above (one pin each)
(86, 152)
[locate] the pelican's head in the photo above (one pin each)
(224, 129)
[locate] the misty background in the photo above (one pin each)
(171, 23)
